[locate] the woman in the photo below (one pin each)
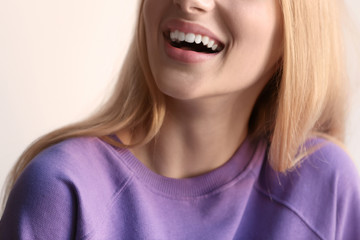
(223, 125)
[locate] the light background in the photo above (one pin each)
(58, 60)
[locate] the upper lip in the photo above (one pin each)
(188, 27)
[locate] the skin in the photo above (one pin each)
(209, 103)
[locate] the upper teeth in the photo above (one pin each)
(193, 38)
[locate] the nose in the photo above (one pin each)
(195, 6)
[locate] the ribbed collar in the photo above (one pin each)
(246, 162)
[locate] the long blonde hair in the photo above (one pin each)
(304, 96)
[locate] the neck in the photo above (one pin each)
(197, 135)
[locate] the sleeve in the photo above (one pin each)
(348, 205)
(42, 205)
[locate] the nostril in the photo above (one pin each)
(196, 9)
(178, 5)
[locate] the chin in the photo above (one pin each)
(180, 93)
(181, 87)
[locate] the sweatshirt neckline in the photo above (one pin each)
(247, 159)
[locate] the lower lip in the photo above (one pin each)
(187, 56)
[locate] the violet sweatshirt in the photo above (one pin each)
(84, 188)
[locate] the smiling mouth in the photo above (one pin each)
(193, 42)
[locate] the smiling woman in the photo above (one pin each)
(226, 123)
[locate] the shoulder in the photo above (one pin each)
(321, 190)
(329, 159)
(81, 155)
(327, 164)
(86, 164)
(72, 148)
(77, 164)
(67, 184)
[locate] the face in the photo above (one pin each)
(205, 48)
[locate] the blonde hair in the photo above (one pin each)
(305, 95)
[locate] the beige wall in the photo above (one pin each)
(57, 59)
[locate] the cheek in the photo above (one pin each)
(257, 39)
